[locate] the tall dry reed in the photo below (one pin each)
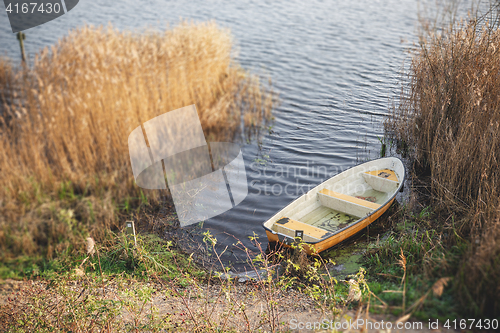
(66, 120)
(449, 117)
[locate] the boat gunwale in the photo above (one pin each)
(388, 201)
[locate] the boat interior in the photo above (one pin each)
(338, 204)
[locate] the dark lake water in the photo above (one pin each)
(335, 64)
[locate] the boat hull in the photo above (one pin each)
(313, 214)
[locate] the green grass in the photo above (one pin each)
(443, 307)
(153, 257)
(428, 259)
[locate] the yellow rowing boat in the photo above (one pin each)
(339, 207)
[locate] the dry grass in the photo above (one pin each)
(449, 116)
(65, 122)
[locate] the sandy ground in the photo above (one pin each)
(242, 308)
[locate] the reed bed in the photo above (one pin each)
(65, 122)
(449, 117)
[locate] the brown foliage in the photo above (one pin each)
(65, 121)
(449, 116)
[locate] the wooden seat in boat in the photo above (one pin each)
(346, 204)
(384, 180)
(349, 198)
(288, 226)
